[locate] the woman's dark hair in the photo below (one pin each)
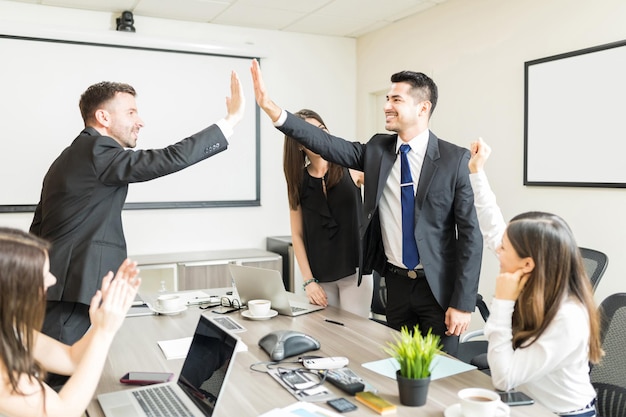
(294, 162)
(22, 303)
(559, 272)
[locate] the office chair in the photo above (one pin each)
(379, 299)
(475, 351)
(595, 264)
(609, 376)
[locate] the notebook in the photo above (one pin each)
(253, 283)
(197, 391)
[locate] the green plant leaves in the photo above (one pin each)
(414, 352)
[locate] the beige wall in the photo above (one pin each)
(475, 50)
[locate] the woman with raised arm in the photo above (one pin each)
(26, 354)
(543, 327)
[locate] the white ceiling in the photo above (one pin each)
(351, 18)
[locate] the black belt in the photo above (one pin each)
(407, 273)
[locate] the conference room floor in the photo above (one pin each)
(251, 393)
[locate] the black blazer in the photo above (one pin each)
(80, 210)
(446, 226)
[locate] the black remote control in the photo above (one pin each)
(346, 380)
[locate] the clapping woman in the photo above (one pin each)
(26, 354)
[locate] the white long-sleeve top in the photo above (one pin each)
(555, 369)
(490, 219)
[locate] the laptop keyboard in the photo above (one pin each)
(295, 309)
(161, 401)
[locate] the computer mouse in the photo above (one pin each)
(281, 344)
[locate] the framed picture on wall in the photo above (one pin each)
(575, 104)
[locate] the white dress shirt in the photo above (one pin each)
(390, 206)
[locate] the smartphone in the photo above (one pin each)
(146, 378)
(514, 398)
(342, 405)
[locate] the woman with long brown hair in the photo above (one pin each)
(26, 354)
(543, 329)
(325, 216)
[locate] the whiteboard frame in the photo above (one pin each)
(579, 148)
(149, 44)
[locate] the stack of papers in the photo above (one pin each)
(178, 348)
(175, 348)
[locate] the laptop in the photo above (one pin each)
(253, 283)
(197, 391)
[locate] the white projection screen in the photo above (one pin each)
(179, 92)
(575, 107)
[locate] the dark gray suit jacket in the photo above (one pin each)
(446, 226)
(80, 210)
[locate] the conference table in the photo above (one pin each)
(251, 393)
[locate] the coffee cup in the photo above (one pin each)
(479, 402)
(168, 302)
(259, 307)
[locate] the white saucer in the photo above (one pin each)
(453, 411)
(168, 312)
(272, 313)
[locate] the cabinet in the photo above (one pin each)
(198, 270)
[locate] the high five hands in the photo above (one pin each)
(236, 103)
(261, 95)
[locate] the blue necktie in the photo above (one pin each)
(410, 256)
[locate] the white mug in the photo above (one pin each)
(259, 307)
(479, 402)
(168, 302)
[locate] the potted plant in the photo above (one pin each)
(415, 354)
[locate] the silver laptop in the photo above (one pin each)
(253, 283)
(197, 391)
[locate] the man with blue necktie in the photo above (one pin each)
(420, 228)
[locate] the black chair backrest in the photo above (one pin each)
(609, 376)
(595, 264)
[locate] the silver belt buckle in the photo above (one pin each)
(412, 274)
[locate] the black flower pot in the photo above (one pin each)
(413, 392)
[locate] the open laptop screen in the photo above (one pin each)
(207, 363)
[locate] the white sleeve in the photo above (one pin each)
(490, 219)
(513, 367)
(281, 119)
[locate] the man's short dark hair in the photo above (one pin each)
(422, 86)
(96, 95)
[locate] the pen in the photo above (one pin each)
(334, 322)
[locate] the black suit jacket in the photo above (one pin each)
(80, 210)
(446, 226)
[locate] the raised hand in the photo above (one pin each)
(236, 103)
(110, 304)
(261, 95)
(480, 152)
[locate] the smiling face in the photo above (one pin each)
(404, 114)
(121, 119)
